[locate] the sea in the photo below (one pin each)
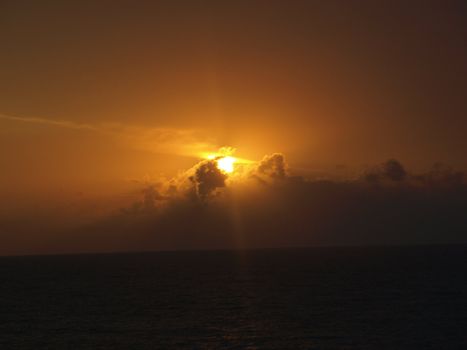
(412, 297)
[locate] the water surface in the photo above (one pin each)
(317, 298)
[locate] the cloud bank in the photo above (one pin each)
(264, 205)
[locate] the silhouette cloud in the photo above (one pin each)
(391, 170)
(273, 166)
(286, 210)
(207, 178)
(267, 206)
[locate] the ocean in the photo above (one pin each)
(315, 298)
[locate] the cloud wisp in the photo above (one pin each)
(57, 123)
(172, 141)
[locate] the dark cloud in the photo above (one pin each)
(148, 204)
(288, 210)
(206, 209)
(208, 178)
(273, 166)
(391, 170)
(444, 175)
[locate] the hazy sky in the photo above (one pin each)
(94, 94)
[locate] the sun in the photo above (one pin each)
(224, 160)
(226, 164)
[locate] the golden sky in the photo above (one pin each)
(95, 96)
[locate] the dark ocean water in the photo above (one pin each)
(318, 298)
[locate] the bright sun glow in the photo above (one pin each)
(224, 160)
(226, 164)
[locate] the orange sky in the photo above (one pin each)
(94, 95)
(324, 82)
